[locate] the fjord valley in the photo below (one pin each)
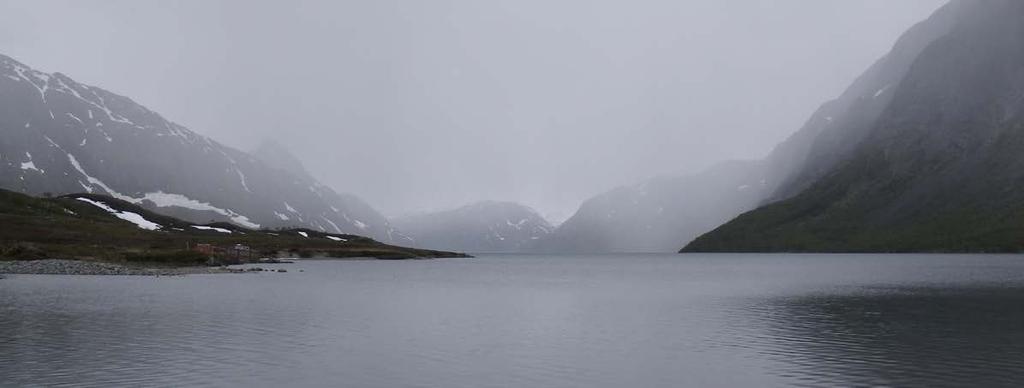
(917, 154)
(853, 178)
(527, 193)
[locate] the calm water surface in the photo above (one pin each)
(530, 321)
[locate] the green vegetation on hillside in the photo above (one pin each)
(865, 207)
(68, 228)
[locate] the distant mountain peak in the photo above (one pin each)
(485, 226)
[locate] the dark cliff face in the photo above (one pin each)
(939, 169)
(61, 136)
(480, 227)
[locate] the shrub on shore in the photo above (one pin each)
(169, 258)
(21, 251)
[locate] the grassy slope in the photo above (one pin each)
(65, 227)
(862, 208)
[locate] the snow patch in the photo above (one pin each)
(134, 218)
(30, 166)
(360, 224)
(221, 230)
(338, 239)
(241, 177)
(516, 225)
(162, 199)
(281, 216)
(35, 74)
(94, 181)
(880, 91)
(336, 228)
(159, 198)
(102, 106)
(303, 234)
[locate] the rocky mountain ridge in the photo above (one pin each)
(62, 136)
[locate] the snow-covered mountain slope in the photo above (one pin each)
(481, 227)
(61, 136)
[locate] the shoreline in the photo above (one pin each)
(100, 268)
(96, 268)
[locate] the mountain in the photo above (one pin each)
(357, 213)
(98, 227)
(278, 156)
(663, 213)
(938, 168)
(61, 136)
(481, 227)
(655, 215)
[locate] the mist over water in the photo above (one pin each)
(433, 105)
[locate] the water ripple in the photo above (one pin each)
(650, 321)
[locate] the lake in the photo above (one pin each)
(530, 321)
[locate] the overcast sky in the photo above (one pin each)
(431, 104)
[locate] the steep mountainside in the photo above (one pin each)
(677, 209)
(839, 125)
(356, 212)
(481, 227)
(939, 169)
(60, 136)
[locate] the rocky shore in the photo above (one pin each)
(75, 267)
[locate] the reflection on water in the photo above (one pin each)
(501, 321)
(924, 337)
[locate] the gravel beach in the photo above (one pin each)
(75, 267)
